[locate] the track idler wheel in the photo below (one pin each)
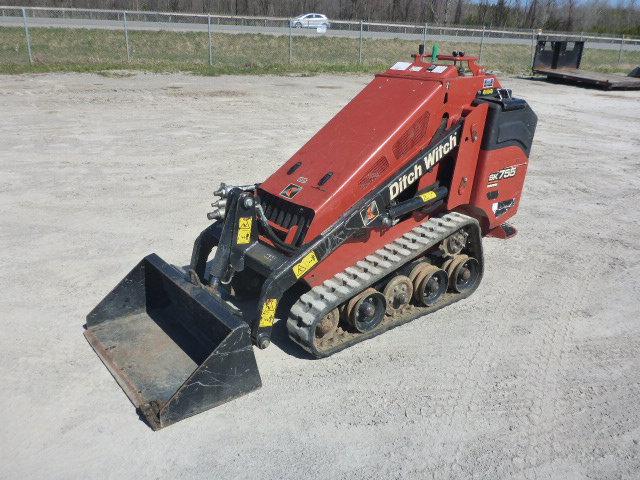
(328, 324)
(366, 310)
(464, 272)
(454, 244)
(397, 293)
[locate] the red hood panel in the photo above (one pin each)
(351, 146)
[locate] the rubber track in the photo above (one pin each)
(315, 304)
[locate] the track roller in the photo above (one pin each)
(366, 310)
(417, 271)
(432, 284)
(429, 283)
(464, 272)
(397, 293)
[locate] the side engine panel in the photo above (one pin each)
(499, 182)
(503, 158)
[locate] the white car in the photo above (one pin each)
(310, 20)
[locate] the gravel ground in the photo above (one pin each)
(536, 375)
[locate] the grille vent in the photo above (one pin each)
(374, 172)
(286, 215)
(412, 137)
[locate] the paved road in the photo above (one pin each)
(283, 30)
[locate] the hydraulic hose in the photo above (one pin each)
(264, 222)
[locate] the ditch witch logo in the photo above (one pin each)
(291, 190)
(433, 156)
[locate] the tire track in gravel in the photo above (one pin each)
(537, 375)
(478, 370)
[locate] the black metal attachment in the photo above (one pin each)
(425, 198)
(174, 348)
(557, 53)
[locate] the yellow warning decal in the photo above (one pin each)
(306, 264)
(487, 91)
(268, 312)
(428, 196)
(244, 230)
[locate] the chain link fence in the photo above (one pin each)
(66, 36)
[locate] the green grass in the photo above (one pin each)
(84, 50)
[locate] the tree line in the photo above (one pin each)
(599, 16)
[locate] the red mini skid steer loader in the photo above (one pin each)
(375, 221)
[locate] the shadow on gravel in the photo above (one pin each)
(280, 338)
(279, 334)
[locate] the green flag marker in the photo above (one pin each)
(435, 51)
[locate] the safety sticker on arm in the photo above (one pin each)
(268, 312)
(427, 196)
(306, 264)
(244, 230)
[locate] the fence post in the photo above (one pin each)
(620, 50)
(210, 47)
(424, 37)
(126, 35)
(360, 46)
(290, 41)
(481, 45)
(26, 33)
(533, 45)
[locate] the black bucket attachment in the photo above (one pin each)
(175, 349)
